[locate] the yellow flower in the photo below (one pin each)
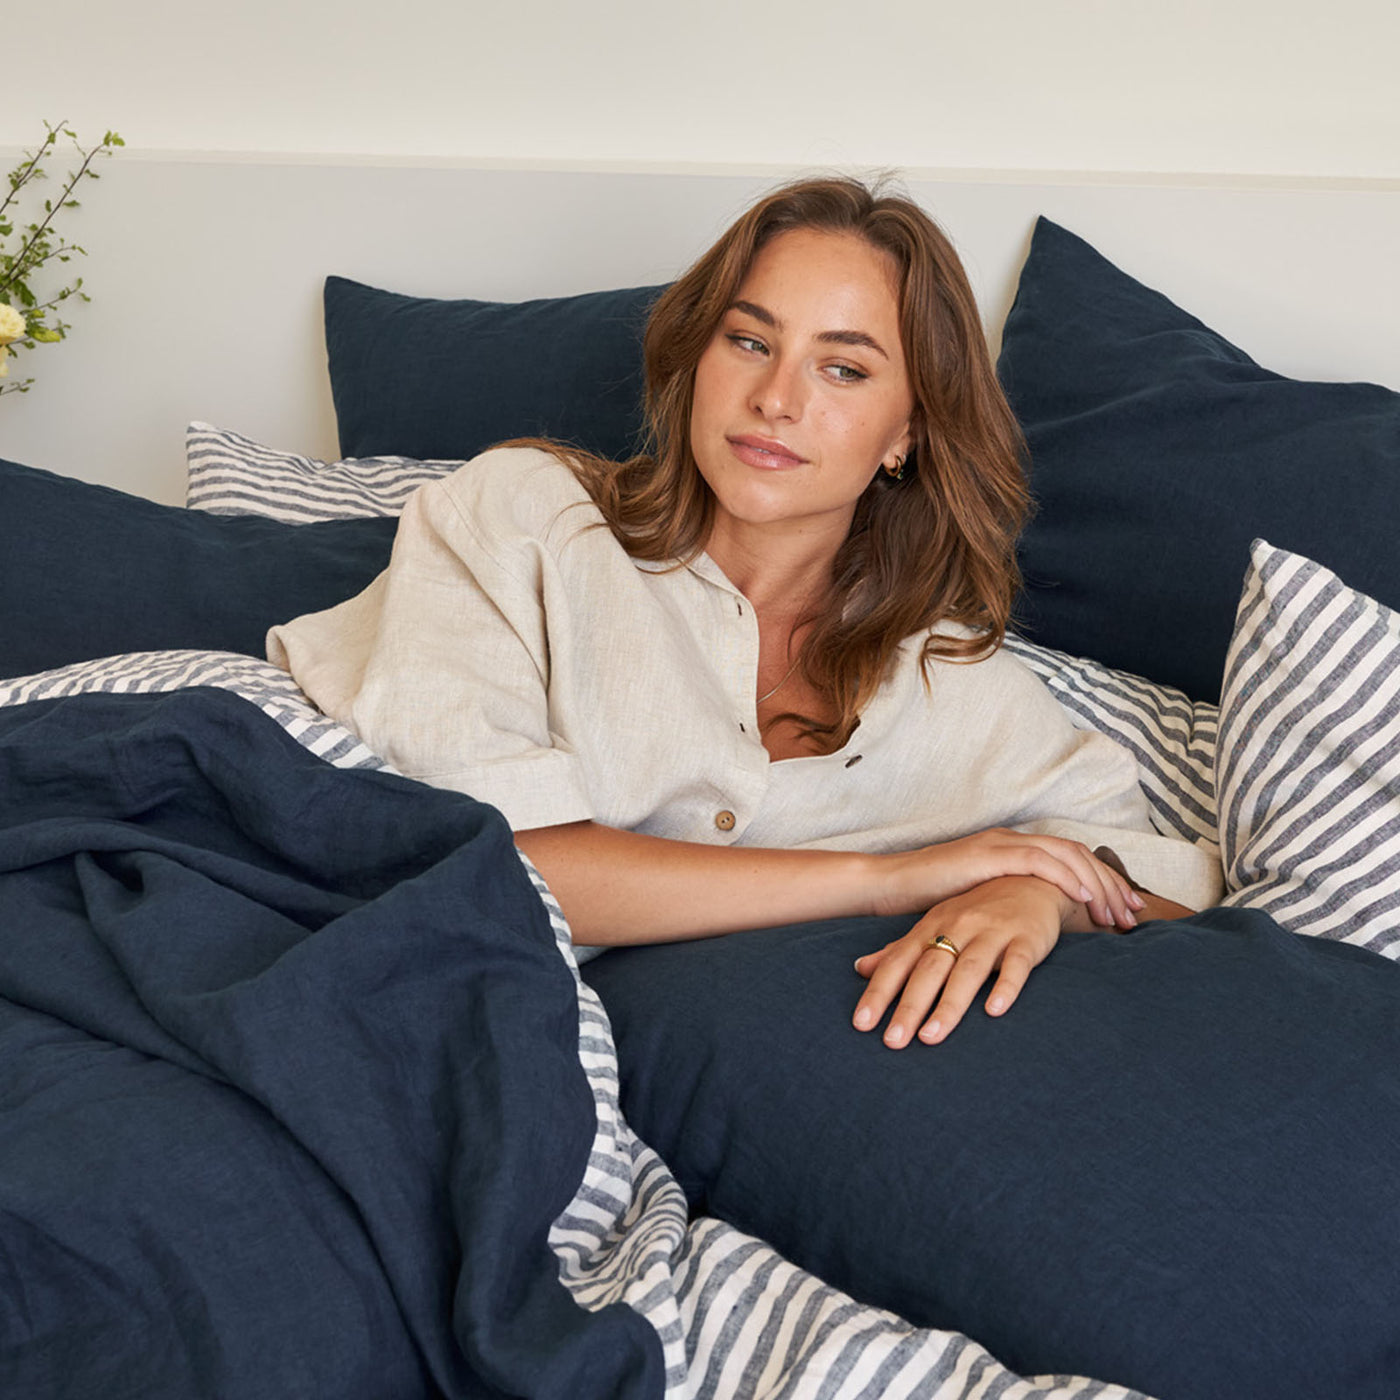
(12, 325)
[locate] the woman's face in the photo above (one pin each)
(802, 395)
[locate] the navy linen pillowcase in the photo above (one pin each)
(87, 571)
(1159, 451)
(1170, 1165)
(430, 378)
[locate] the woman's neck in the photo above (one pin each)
(777, 573)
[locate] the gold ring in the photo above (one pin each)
(946, 944)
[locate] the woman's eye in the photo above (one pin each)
(747, 342)
(847, 374)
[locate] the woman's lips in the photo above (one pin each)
(764, 452)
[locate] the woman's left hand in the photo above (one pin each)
(1010, 923)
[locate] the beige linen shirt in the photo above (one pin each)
(514, 651)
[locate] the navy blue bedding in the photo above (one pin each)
(1171, 1165)
(289, 1087)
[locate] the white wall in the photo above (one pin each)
(1280, 87)
(440, 148)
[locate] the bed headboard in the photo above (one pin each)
(206, 276)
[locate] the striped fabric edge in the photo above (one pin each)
(1309, 760)
(736, 1320)
(229, 474)
(759, 1326)
(616, 1240)
(267, 686)
(1172, 737)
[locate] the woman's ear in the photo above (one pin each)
(893, 461)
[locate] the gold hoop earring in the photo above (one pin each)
(896, 471)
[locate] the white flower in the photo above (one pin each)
(12, 325)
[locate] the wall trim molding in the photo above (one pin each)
(1123, 179)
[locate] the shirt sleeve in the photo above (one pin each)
(442, 665)
(1055, 769)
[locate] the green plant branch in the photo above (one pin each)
(38, 311)
(20, 265)
(24, 315)
(30, 170)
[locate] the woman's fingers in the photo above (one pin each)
(1108, 896)
(1068, 865)
(1117, 903)
(1017, 964)
(911, 967)
(868, 962)
(959, 979)
(1009, 924)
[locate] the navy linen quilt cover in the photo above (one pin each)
(292, 1092)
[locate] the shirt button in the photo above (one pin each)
(724, 820)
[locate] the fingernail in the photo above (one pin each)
(1085, 894)
(932, 1032)
(1129, 921)
(894, 1037)
(1136, 900)
(997, 1005)
(864, 1019)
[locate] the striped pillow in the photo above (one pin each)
(229, 474)
(1171, 736)
(1308, 769)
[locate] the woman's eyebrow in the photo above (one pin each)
(767, 318)
(759, 313)
(852, 338)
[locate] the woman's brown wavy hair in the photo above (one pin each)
(938, 545)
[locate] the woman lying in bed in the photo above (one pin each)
(753, 676)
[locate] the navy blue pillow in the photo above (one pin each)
(1158, 452)
(86, 571)
(428, 378)
(1172, 1164)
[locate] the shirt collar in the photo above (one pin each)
(702, 566)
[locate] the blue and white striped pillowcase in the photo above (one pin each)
(1308, 769)
(1172, 736)
(229, 474)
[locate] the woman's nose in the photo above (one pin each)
(778, 392)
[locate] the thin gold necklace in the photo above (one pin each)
(770, 694)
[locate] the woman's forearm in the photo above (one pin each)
(623, 887)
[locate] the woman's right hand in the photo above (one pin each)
(915, 881)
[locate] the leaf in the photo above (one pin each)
(29, 253)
